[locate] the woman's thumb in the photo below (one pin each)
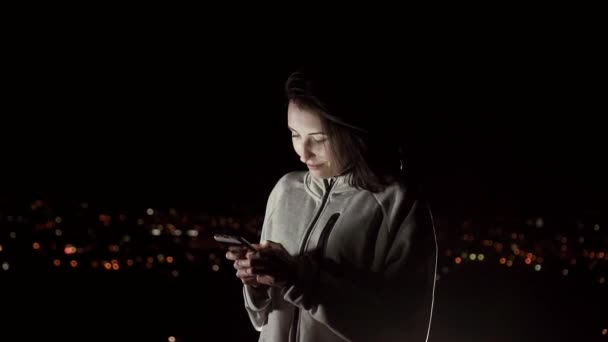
(268, 244)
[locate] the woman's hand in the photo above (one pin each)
(245, 262)
(271, 265)
(275, 266)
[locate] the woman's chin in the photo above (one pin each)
(319, 173)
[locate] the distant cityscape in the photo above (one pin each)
(79, 237)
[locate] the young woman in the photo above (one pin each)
(348, 249)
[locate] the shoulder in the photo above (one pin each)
(280, 188)
(400, 200)
(286, 182)
(289, 179)
(396, 193)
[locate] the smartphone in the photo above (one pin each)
(234, 240)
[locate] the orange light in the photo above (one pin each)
(503, 261)
(600, 255)
(458, 260)
(69, 249)
(169, 259)
(150, 260)
(509, 263)
(115, 267)
(0, 248)
(36, 245)
(591, 255)
(529, 255)
(74, 263)
(605, 332)
(528, 261)
(105, 218)
(107, 265)
(130, 262)
(57, 262)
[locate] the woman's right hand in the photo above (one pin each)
(245, 264)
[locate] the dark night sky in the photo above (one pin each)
(495, 124)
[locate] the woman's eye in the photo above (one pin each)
(294, 135)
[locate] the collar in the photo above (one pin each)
(317, 187)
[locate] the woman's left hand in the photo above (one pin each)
(279, 268)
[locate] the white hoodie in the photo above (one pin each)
(370, 259)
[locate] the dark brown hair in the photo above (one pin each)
(348, 113)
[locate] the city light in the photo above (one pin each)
(175, 244)
(69, 249)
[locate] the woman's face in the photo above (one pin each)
(310, 141)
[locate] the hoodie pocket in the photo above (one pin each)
(325, 234)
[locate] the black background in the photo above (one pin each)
(498, 123)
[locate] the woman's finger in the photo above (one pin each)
(250, 271)
(269, 244)
(237, 249)
(235, 254)
(266, 279)
(247, 272)
(251, 280)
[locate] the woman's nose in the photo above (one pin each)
(306, 155)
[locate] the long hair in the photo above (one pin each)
(349, 112)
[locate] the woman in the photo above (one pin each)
(348, 250)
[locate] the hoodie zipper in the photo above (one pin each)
(296, 314)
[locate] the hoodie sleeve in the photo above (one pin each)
(257, 300)
(394, 305)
